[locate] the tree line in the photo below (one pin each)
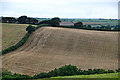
(28, 20)
(56, 22)
(20, 20)
(67, 70)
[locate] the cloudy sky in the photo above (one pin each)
(60, 8)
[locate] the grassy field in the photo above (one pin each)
(109, 75)
(12, 34)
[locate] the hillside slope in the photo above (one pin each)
(49, 47)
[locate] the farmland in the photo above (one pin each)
(100, 21)
(51, 47)
(92, 22)
(12, 33)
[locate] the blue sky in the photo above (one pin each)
(60, 8)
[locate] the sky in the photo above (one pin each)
(60, 8)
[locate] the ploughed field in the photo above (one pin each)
(51, 47)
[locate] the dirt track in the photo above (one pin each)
(49, 48)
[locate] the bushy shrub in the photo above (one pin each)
(6, 75)
(110, 71)
(41, 25)
(68, 70)
(30, 29)
(118, 70)
(41, 75)
(78, 24)
(53, 22)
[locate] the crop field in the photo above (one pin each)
(51, 47)
(12, 34)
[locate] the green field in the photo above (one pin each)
(108, 76)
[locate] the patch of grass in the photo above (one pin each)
(108, 75)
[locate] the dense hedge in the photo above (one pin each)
(23, 40)
(67, 70)
(6, 75)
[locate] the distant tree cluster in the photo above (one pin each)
(9, 20)
(27, 20)
(53, 22)
(78, 24)
(6, 75)
(20, 20)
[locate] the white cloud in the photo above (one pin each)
(61, 8)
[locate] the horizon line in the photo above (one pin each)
(62, 17)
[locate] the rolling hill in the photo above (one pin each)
(51, 47)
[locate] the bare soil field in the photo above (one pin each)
(51, 47)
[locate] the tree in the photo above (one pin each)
(55, 21)
(66, 70)
(107, 27)
(31, 20)
(8, 20)
(22, 19)
(30, 29)
(45, 22)
(41, 75)
(78, 25)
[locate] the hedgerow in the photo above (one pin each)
(67, 70)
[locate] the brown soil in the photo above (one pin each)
(48, 48)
